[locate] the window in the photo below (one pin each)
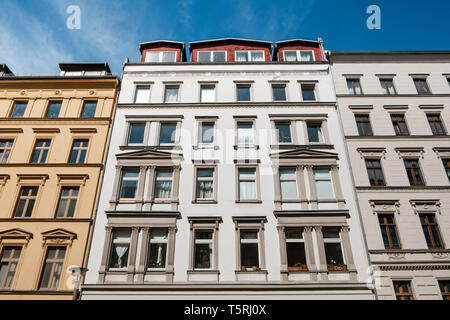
(203, 249)
(206, 132)
(67, 202)
(79, 150)
(163, 184)
(436, 124)
(295, 248)
(288, 183)
(324, 188)
(205, 184)
(249, 249)
(157, 251)
(245, 133)
(403, 290)
(120, 249)
(19, 109)
(314, 132)
(130, 180)
(251, 55)
(308, 92)
(89, 109)
(207, 93)
(421, 86)
(5, 150)
(389, 231)
(243, 93)
(279, 92)
(431, 231)
(142, 94)
(363, 124)
(333, 247)
(399, 123)
(413, 170)
(247, 184)
(52, 268)
(26, 201)
(160, 56)
(447, 167)
(353, 86)
(375, 172)
(211, 56)
(136, 133)
(8, 266)
(53, 110)
(387, 86)
(444, 285)
(41, 150)
(167, 133)
(283, 132)
(298, 55)
(171, 94)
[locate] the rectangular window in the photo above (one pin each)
(8, 266)
(142, 94)
(308, 92)
(53, 110)
(431, 231)
(363, 124)
(160, 56)
(389, 231)
(136, 133)
(5, 150)
(206, 132)
(444, 286)
(421, 86)
(247, 184)
(414, 174)
(211, 56)
(354, 86)
(243, 93)
(52, 268)
(324, 187)
(298, 55)
(283, 132)
(19, 109)
(207, 93)
(89, 109)
(171, 94)
(388, 86)
(250, 55)
(403, 290)
(157, 251)
(279, 93)
(249, 249)
(203, 249)
(314, 132)
(399, 123)
(67, 202)
(436, 124)
(333, 248)
(163, 184)
(120, 249)
(205, 184)
(129, 183)
(295, 249)
(26, 201)
(288, 183)
(79, 151)
(40, 152)
(167, 133)
(245, 133)
(375, 172)
(447, 167)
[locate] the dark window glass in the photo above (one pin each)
(249, 249)
(279, 93)
(206, 134)
(387, 86)
(308, 92)
(243, 93)
(295, 248)
(129, 184)
(26, 201)
(167, 134)
(120, 249)
(5, 150)
(137, 131)
(53, 110)
(436, 124)
(157, 254)
(315, 132)
(89, 109)
(219, 56)
(388, 231)
(447, 167)
(8, 266)
(413, 171)
(375, 172)
(19, 110)
(421, 86)
(399, 123)
(284, 132)
(354, 86)
(431, 231)
(79, 150)
(444, 285)
(363, 124)
(52, 268)
(67, 202)
(403, 290)
(203, 250)
(41, 150)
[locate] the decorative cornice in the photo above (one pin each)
(403, 188)
(209, 105)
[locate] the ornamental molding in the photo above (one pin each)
(427, 206)
(409, 152)
(396, 255)
(442, 151)
(385, 206)
(372, 152)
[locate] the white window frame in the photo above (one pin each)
(335, 240)
(255, 180)
(171, 86)
(206, 85)
(211, 54)
(161, 123)
(245, 121)
(150, 241)
(329, 178)
(198, 179)
(205, 241)
(114, 241)
(130, 124)
(243, 241)
(199, 136)
(160, 58)
(289, 179)
(122, 179)
(142, 86)
(249, 56)
(299, 55)
(171, 179)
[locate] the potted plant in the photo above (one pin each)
(243, 268)
(255, 268)
(298, 267)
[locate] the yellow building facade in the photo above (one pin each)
(54, 134)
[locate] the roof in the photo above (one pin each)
(142, 44)
(319, 41)
(231, 39)
(84, 66)
(4, 68)
(390, 52)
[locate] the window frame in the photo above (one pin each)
(330, 175)
(10, 260)
(149, 242)
(52, 271)
(290, 123)
(211, 56)
(200, 121)
(423, 83)
(400, 295)
(139, 87)
(248, 120)
(82, 116)
(249, 56)
(385, 81)
(295, 179)
(446, 163)
(334, 240)
(388, 226)
(160, 126)
(244, 85)
(314, 91)
(49, 104)
(434, 122)
(374, 168)
(122, 172)
(279, 85)
(411, 169)
(319, 124)
(41, 150)
(256, 180)
(208, 85)
(9, 144)
(79, 150)
(172, 86)
(299, 55)
(111, 246)
(160, 56)
(429, 226)
(396, 121)
(13, 108)
(172, 180)
(128, 136)
(364, 132)
(69, 200)
(211, 241)
(353, 91)
(27, 199)
(444, 284)
(214, 180)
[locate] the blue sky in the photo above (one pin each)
(34, 37)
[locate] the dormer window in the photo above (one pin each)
(298, 55)
(212, 56)
(250, 56)
(161, 56)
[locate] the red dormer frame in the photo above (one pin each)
(164, 45)
(299, 44)
(230, 46)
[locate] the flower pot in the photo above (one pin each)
(255, 268)
(344, 267)
(243, 268)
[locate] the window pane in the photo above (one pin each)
(171, 95)
(257, 56)
(289, 190)
(249, 235)
(307, 56)
(128, 189)
(53, 110)
(157, 255)
(19, 110)
(315, 133)
(308, 93)
(242, 56)
(163, 189)
(119, 255)
(245, 133)
(207, 94)
(205, 189)
(142, 95)
(279, 93)
(249, 255)
(152, 56)
(246, 173)
(333, 253)
(247, 190)
(219, 56)
(206, 132)
(295, 254)
(290, 56)
(284, 132)
(204, 56)
(167, 134)
(243, 93)
(46, 275)
(169, 56)
(324, 189)
(203, 255)
(137, 133)
(89, 109)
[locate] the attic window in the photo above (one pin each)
(250, 56)
(160, 56)
(212, 56)
(298, 55)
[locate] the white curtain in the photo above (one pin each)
(152, 56)
(205, 190)
(208, 94)
(142, 95)
(241, 56)
(245, 134)
(121, 249)
(247, 190)
(257, 56)
(163, 190)
(290, 56)
(306, 56)
(171, 95)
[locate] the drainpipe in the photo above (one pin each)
(79, 274)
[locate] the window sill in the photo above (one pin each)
(199, 147)
(251, 271)
(248, 201)
(204, 201)
(246, 146)
(203, 271)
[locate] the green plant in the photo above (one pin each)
(299, 264)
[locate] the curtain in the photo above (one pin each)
(245, 133)
(163, 190)
(56, 275)
(257, 56)
(290, 56)
(205, 189)
(247, 190)
(242, 56)
(121, 249)
(171, 95)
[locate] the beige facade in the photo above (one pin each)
(395, 109)
(50, 177)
